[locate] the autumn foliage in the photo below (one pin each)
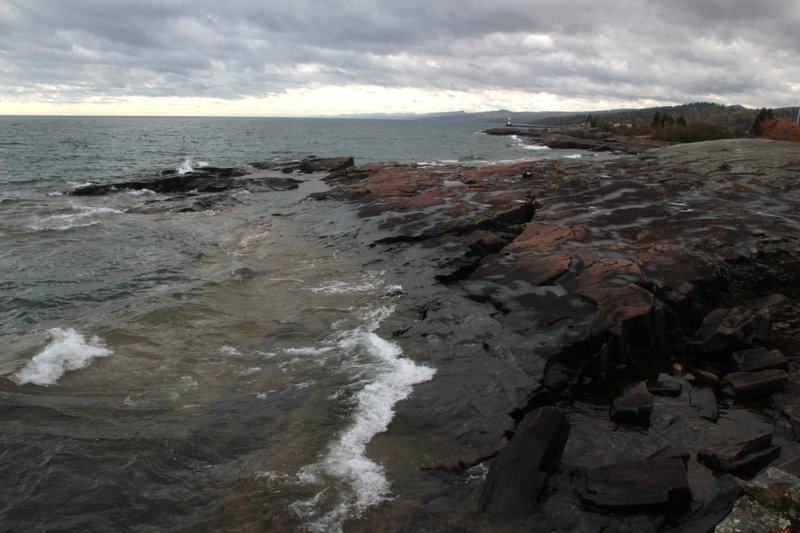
(780, 130)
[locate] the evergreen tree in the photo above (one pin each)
(762, 115)
(657, 120)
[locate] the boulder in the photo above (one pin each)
(753, 384)
(757, 359)
(520, 470)
(704, 401)
(634, 407)
(737, 457)
(657, 484)
(326, 164)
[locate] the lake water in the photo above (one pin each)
(213, 370)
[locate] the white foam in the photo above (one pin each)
(522, 144)
(365, 481)
(573, 156)
(68, 350)
(81, 217)
(370, 281)
(140, 192)
(188, 165)
(229, 350)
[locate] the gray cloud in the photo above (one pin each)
(733, 51)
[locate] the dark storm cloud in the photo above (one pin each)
(730, 50)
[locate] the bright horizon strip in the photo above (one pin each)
(313, 101)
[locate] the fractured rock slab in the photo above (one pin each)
(757, 359)
(754, 384)
(655, 483)
(739, 456)
(520, 470)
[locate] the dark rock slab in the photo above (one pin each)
(275, 184)
(754, 384)
(195, 181)
(634, 407)
(325, 164)
(745, 456)
(711, 514)
(660, 484)
(792, 466)
(520, 470)
(671, 452)
(737, 328)
(704, 401)
(665, 388)
(703, 377)
(757, 359)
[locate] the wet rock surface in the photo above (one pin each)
(592, 139)
(206, 188)
(560, 283)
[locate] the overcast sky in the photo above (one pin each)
(313, 57)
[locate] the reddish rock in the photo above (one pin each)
(534, 269)
(758, 359)
(547, 237)
(738, 457)
(753, 384)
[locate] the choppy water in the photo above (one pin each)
(220, 370)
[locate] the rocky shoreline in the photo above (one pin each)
(617, 341)
(579, 138)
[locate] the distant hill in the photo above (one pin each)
(734, 118)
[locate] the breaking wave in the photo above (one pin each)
(68, 350)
